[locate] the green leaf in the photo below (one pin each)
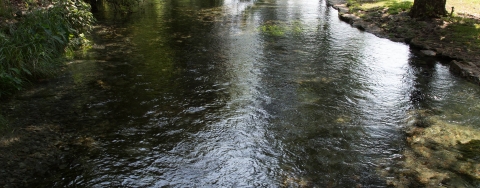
(15, 70)
(58, 39)
(26, 71)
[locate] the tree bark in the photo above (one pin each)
(428, 9)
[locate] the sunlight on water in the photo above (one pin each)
(253, 94)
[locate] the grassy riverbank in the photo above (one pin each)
(455, 36)
(462, 26)
(34, 36)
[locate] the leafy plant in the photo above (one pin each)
(32, 47)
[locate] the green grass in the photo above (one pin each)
(470, 7)
(392, 6)
(465, 31)
(460, 29)
(395, 7)
(353, 5)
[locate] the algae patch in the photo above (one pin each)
(439, 154)
(279, 28)
(470, 150)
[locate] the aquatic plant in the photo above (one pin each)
(440, 153)
(274, 30)
(470, 150)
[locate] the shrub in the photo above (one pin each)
(31, 48)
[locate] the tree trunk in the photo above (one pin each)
(428, 9)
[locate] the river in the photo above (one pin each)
(239, 93)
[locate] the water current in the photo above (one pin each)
(238, 93)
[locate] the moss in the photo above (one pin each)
(274, 30)
(279, 28)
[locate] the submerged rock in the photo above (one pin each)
(441, 154)
(467, 70)
(428, 52)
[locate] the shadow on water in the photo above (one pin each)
(246, 93)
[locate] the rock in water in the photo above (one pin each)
(429, 52)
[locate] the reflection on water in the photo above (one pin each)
(248, 94)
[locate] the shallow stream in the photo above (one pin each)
(238, 93)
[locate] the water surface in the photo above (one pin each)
(250, 94)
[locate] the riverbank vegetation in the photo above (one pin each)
(455, 36)
(391, 6)
(34, 36)
(462, 24)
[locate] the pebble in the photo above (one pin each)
(428, 52)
